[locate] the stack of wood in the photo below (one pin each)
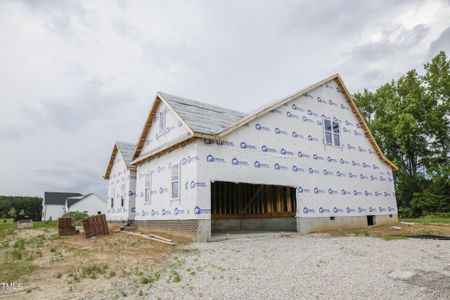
(65, 227)
(94, 226)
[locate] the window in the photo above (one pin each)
(332, 132)
(122, 189)
(113, 191)
(175, 181)
(162, 122)
(148, 187)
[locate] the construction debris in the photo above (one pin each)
(396, 228)
(151, 237)
(65, 227)
(95, 226)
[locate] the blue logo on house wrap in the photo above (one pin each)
(350, 210)
(327, 172)
(198, 210)
(295, 107)
(340, 174)
(331, 159)
(302, 190)
(291, 115)
(301, 154)
(297, 169)
(308, 210)
(210, 158)
(373, 177)
(332, 192)
(264, 148)
(331, 102)
(258, 126)
(312, 139)
(361, 149)
(357, 193)
(320, 100)
(244, 145)
(344, 192)
(177, 211)
(343, 161)
(354, 163)
(236, 162)
(350, 147)
(367, 193)
(381, 209)
(296, 135)
(318, 191)
(311, 113)
(317, 157)
(362, 177)
(313, 171)
(154, 213)
(286, 152)
(306, 119)
(258, 164)
(344, 107)
(372, 209)
(277, 166)
(276, 111)
(337, 210)
(390, 209)
(279, 131)
(360, 209)
(323, 210)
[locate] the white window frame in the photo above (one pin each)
(148, 188)
(162, 122)
(175, 180)
(332, 133)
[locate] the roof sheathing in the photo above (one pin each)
(215, 122)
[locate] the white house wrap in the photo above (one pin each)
(305, 163)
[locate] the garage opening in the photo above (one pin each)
(370, 220)
(252, 207)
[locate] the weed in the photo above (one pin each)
(93, 270)
(16, 254)
(174, 276)
(19, 244)
(393, 237)
(151, 279)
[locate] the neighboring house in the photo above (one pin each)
(121, 176)
(54, 203)
(90, 204)
(306, 163)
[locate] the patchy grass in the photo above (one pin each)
(394, 237)
(76, 267)
(428, 220)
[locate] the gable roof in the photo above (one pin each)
(58, 198)
(126, 150)
(202, 117)
(213, 122)
(72, 200)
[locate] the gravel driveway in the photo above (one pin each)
(315, 266)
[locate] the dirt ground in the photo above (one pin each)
(75, 267)
(121, 266)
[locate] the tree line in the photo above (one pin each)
(410, 120)
(16, 206)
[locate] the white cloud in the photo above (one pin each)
(75, 76)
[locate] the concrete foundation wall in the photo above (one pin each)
(308, 225)
(199, 229)
(261, 224)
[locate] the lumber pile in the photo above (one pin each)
(65, 227)
(95, 226)
(151, 237)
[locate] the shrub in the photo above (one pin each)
(76, 215)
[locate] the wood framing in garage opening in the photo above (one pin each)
(231, 200)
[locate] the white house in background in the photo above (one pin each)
(91, 204)
(54, 203)
(121, 176)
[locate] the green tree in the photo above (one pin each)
(12, 212)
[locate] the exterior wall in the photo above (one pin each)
(52, 212)
(120, 175)
(286, 147)
(266, 224)
(308, 225)
(175, 130)
(161, 206)
(92, 204)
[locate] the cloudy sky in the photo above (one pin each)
(77, 75)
